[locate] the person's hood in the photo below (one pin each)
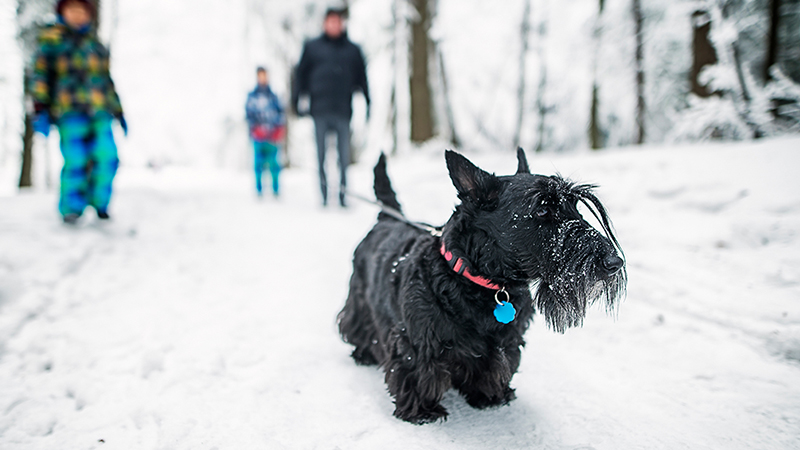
(61, 3)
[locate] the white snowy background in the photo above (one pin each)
(201, 318)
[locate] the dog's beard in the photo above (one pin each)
(573, 280)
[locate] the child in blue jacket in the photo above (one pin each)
(267, 122)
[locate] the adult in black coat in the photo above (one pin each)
(330, 70)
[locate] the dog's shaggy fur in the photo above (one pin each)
(431, 328)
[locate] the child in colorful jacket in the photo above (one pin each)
(72, 89)
(267, 123)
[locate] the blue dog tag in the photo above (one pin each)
(504, 312)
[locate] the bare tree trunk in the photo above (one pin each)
(772, 39)
(393, 119)
(640, 104)
(354, 153)
(541, 89)
(773, 42)
(541, 108)
(745, 93)
(703, 53)
(523, 56)
(25, 178)
(448, 105)
(393, 97)
(421, 95)
(595, 134)
(96, 21)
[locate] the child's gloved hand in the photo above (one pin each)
(123, 124)
(41, 124)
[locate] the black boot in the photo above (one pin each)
(103, 214)
(71, 218)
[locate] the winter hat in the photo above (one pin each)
(333, 11)
(62, 3)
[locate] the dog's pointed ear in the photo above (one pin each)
(522, 166)
(472, 183)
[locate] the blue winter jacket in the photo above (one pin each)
(264, 108)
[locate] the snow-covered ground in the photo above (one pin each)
(201, 318)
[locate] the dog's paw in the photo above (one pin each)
(364, 357)
(482, 401)
(422, 417)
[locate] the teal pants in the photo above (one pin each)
(90, 162)
(266, 154)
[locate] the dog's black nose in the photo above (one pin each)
(612, 263)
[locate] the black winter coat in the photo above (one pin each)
(329, 72)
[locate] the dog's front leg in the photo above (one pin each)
(416, 382)
(487, 384)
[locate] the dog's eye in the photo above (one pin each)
(542, 212)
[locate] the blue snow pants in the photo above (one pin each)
(266, 154)
(90, 162)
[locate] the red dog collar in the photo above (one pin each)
(460, 267)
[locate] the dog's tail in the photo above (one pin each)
(383, 187)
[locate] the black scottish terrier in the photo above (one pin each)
(449, 308)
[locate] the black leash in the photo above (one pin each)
(396, 214)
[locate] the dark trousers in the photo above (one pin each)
(341, 127)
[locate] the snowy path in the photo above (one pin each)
(202, 319)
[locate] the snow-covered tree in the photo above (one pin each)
(748, 96)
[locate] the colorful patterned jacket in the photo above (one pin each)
(71, 74)
(265, 115)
